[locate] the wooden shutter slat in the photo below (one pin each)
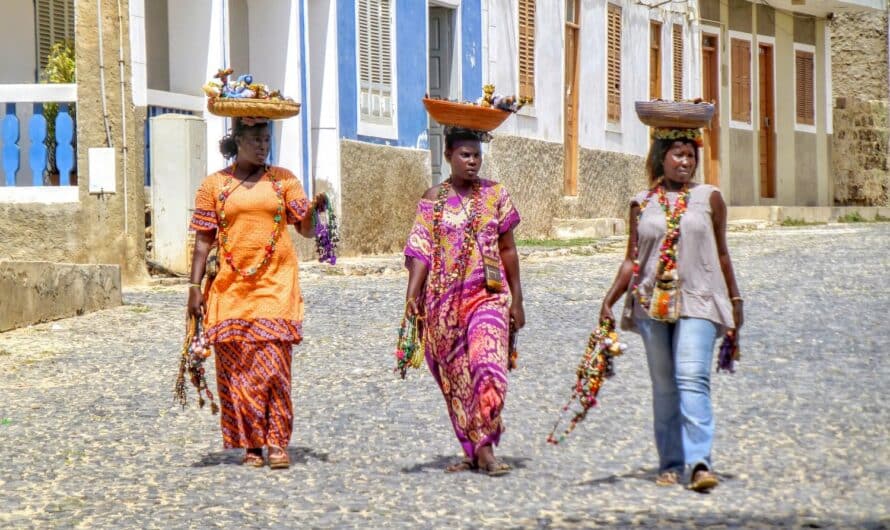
(740, 58)
(526, 32)
(678, 61)
(613, 67)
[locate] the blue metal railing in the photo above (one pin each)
(44, 169)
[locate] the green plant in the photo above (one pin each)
(60, 68)
(881, 219)
(852, 217)
(556, 243)
(790, 221)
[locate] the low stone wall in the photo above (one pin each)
(532, 171)
(380, 187)
(861, 152)
(38, 291)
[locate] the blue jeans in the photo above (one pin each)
(680, 358)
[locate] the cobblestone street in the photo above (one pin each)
(90, 436)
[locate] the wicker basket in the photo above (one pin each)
(675, 114)
(274, 109)
(465, 115)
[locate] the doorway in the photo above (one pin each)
(443, 80)
(767, 123)
(573, 33)
(711, 92)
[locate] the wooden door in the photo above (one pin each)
(440, 59)
(573, 31)
(654, 60)
(767, 123)
(711, 92)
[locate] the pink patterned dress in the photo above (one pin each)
(467, 327)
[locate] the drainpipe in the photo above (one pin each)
(102, 75)
(123, 85)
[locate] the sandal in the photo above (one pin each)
(496, 469)
(278, 458)
(703, 480)
(667, 478)
(464, 465)
(253, 459)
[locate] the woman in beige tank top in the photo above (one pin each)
(680, 296)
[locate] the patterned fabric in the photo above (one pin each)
(467, 327)
(253, 381)
(269, 305)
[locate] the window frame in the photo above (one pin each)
(810, 50)
(734, 123)
(364, 127)
(611, 123)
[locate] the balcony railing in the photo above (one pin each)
(33, 153)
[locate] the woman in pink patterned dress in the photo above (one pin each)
(461, 224)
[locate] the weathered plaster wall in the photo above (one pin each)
(805, 170)
(861, 153)
(93, 229)
(859, 55)
(381, 186)
(532, 171)
(37, 291)
(742, 167)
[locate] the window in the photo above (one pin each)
(375, 52)
(55, 23)
(678, 62)
(741, 80)
(654, 60)
(526, 48)
(613, 67)
(803, 74)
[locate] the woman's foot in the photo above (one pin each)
(464, 465)
(667, 478)
(488, 464)
(703, 480)
(253, 457)
(278, 458)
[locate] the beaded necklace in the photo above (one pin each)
(667, 260)
(441, 281)
(224, 224)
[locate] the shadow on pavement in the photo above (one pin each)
(232, 457)
(440, 462)
(647, 474)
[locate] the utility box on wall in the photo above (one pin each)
(178, 165)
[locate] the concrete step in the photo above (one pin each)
(577, 228)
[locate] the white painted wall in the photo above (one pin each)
(17, 34)
(544, 120)
(322, 102)
(274, 43)
(138, 56)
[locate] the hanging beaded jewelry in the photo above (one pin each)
(326, 232)
(269, 249)
(729, 352)
(195, 350)
(409, 348)
(595, 366)
(439, 283)
(667, 260)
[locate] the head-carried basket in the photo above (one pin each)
(465, 115)
(273, 109)
(675, 114)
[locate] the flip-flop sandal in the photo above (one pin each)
(278, 458)
(464, 465)
(703, 481)
(253, 460)
(496, 469)
(668, 478)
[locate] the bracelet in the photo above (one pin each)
(737, 299)
(193, 284)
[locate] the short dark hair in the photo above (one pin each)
(453, 135)
(658, 150)
(228, 146)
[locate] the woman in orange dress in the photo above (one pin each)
(253, 309)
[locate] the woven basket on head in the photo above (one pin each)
(675, 114)
(273, 109)
(465, 115)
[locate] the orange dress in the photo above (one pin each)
(253, 321)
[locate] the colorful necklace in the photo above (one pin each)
(224, 224)
(667, 260)
(442, 278)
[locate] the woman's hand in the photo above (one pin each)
(196, 304)
(412, 307)
(606, 313)
(517, 314)
(319, 202)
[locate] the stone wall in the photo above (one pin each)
(861, 153)
(38, 291)
(532, 171)
(380, 187)
(92, 230)
(859, 55)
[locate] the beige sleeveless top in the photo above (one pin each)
(702, 285)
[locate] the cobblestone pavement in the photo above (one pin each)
(90, 437)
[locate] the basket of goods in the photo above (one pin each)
(690, 114)
(486, 114)
(241, 97)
